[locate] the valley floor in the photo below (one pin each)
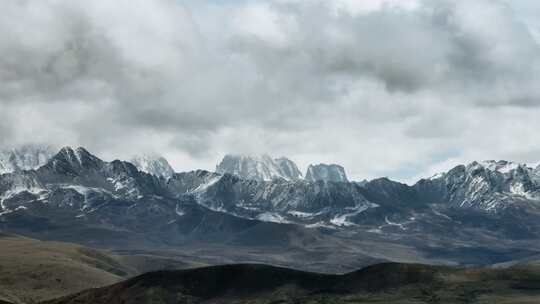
(32, 271)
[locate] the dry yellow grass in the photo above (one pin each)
(32, 270)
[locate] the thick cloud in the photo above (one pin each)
(397, 88)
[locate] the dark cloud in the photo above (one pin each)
(316, 80)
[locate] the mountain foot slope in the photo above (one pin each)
(33, 270)
(382, 283)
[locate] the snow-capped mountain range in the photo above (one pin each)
(75, 196)
(487, 185)
(262, 168)
(272, 190)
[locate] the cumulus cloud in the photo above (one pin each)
(396, 88)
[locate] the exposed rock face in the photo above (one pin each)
(324, 172)
(152, 164)
(262, 168)
(288, 168)
(488, 186)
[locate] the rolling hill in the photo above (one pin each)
(383, 283)
(33, 270)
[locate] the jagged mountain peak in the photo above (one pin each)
(24, 157)
(259, 167)
(502, 166)
(490, 170)
(79, 155)
(486, 167)
(74, 160)
(153, 164)
(486, 185)
(326, 172)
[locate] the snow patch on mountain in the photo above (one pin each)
(211, 181)
(301, 214)
(272, 217)
(390, 223)
(179, 211)
(342, 220)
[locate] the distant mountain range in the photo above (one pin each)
(480, 213)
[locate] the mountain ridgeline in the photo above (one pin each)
(488, 209)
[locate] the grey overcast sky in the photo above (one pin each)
(401, 88)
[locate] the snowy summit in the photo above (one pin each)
(261, 167)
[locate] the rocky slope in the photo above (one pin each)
(281, 201)
(324, 172)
